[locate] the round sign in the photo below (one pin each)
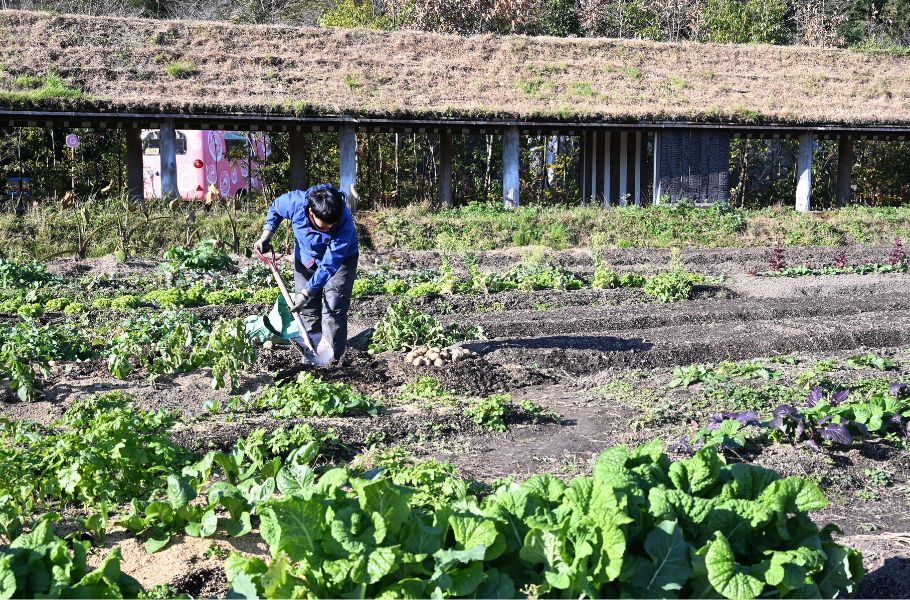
(72, 140)
(198, 163)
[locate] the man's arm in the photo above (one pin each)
(281, 209)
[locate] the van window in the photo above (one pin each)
(152, 145)
(235, 145)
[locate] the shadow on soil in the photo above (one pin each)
(891, 580)
(563, 342)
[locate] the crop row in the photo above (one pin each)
(639, 525)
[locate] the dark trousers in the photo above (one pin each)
(327, 310)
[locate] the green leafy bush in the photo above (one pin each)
(27, 348)
(38, 564)
(230, 485)
(222, 297)
(175, 297)
(403, 327)
(227, 351)
(179, 342)
(639, 526)
(207, 255)
(18, 274)
(674, 284)
(605, 279)
(33, 309)
(265, 296)
(310, 396)
(125, 302)
(102, 449)
(74, 308)
(490, 412)
(57, 304)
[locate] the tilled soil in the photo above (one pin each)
(554, 348)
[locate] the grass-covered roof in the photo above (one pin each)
(67, 62)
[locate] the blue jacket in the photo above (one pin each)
(326, 250)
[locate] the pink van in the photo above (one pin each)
(224, 158)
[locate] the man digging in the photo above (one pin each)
(325, 262)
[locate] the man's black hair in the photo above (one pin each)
(327, 204)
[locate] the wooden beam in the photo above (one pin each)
(347, 147)
(804, 172)
(445, 169)
(167, 151)
(135, 184)
(845, 157)
(510, 171)
(297, 142)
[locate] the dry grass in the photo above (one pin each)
(120, 64)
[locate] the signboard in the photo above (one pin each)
(72, 140)
(18, 186)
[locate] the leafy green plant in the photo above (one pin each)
(27, 348)
(176, 297)
(39, 564)
(127, 301)
(178, 342)
(310, 396)
(490, 412)
(675, 283)
(640, 525)
(103, 448)
(227, 351)
(15, 274)
(206, 255)
(403, 327)
(57, 304)
(423, 388)
(869, 359)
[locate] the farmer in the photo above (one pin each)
(325, 261)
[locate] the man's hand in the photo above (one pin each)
(302, 299)
(264, 243)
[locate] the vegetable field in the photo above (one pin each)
(518, 423)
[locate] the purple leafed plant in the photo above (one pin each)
(747, 417)
(800, 428)
(898, 255)
(817, 393)
(903, 425)
(777, 262)
(840, 261)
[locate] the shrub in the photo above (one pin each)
(403, 327)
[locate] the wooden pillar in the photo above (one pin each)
(510, 173)
(583, 171)
(655, 177)
(593, 198)
(845, 159)
(298, 155)
(637, 185)
(623, 167)
(135, 184)
(804, 172)
(445, 169)
(608, 168)
(347, 148)
(167, 140)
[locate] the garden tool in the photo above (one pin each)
(304, 332)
